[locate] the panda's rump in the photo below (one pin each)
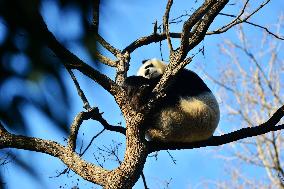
(194, 118)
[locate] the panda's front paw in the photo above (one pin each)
(144, 86)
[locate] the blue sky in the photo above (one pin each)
(121, 22)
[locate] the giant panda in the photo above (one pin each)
(189, 112)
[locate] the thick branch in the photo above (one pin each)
(73, 62)
(266, 127)
(73, 161)
(166, 24)
(202, 27)
(192, 20)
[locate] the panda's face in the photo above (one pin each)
(151, 69)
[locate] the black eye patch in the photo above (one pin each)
(149, 66)
(143, 61)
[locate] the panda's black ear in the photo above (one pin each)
(143, 61)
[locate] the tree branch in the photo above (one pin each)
(108, 46)
(96, 15)
(188, 25)
(146, 40)
(73, 161)
(218, 31)
(105, 60)
(266, 127)
(75, 126)
(98, 117)
(86, 104)
(201, 28)
(71, 61)
(94, 114)
(239, 20)
(166, 24)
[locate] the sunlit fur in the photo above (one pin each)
(190, 118)
(195, 118)
(157, 70)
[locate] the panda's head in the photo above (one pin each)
(152, 68)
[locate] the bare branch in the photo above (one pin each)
(192, 20)
(108, 46)
(144, 181)
(73, 161)
(244, 21)
(98, 117)
(254, 60)
(86, 104)
(166, 24)
(160, 37)
(202, 27)
(148, 40)
(92, 113)
(90, 143)
(76, 126)
(239, 20)
(96, 15)
(71, 61)
(103, 59)
(266, 127)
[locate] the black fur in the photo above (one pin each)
(186, 84)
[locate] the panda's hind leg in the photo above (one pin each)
(154, 134)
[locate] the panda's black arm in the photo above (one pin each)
(138, 89)
(188, 83)
(136, 81)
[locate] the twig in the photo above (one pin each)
(144, 180)
(239, 20)
(172, 157)
(247, 22)
(90, 143)
(98, 117)
(86, 104)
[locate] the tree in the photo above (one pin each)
(256, 91)
(194, 29)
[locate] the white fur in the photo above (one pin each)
(157, 70)
(194, 119)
